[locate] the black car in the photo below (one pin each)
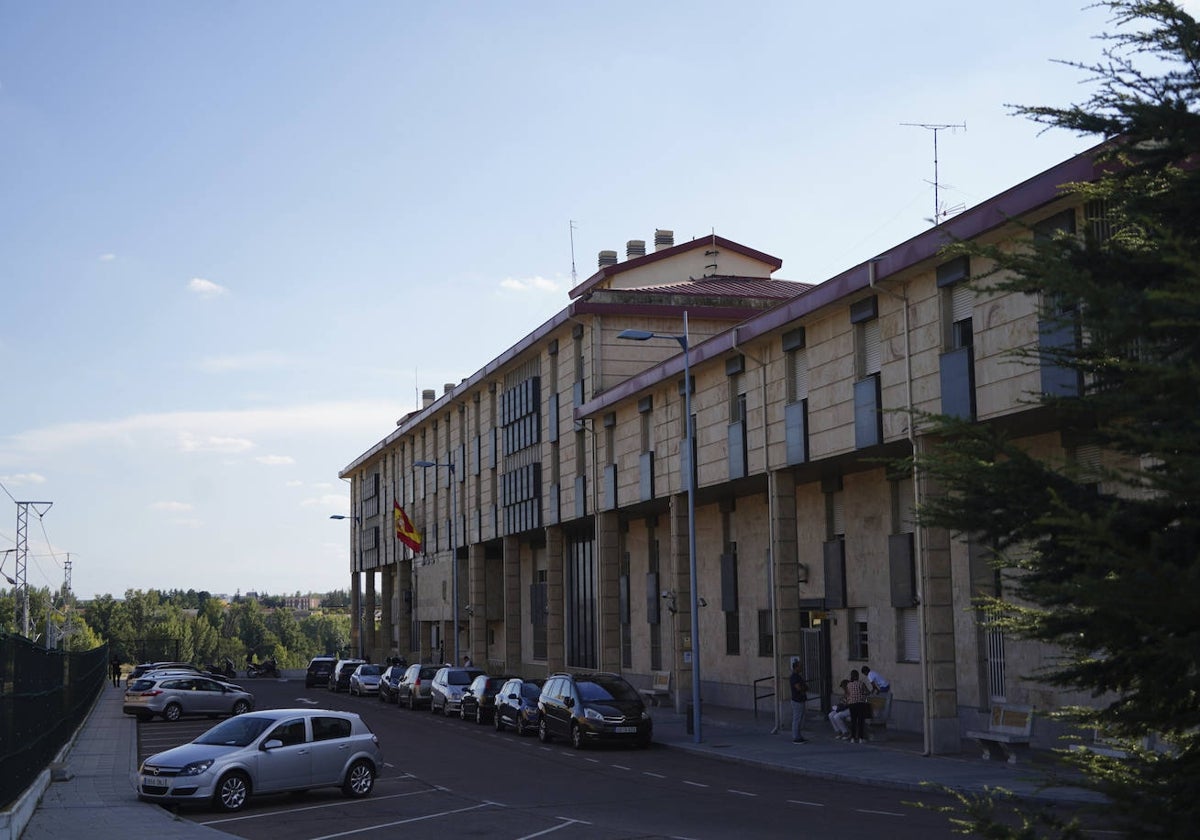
(319, 669)
(479, 698)
(339, 677)
(517, 705)
(591, 708)
(389, 682)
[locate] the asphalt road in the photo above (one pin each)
(451, 778)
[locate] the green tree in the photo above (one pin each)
(1103, 563)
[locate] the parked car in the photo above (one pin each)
(445, 694)
(319, 669)
(389, 682)
(176, 694)
(339, 677)
(517, 705)
(479, 698)
(414, 687)
(589, 708)
(145, 667)
(249, 754)
(365, 679)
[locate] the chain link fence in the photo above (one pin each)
(44, 697)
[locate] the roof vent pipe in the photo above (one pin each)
(448, 387)
(635, 248)
(427, 397)
(607, 258)
(663, 239)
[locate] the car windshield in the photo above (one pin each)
(598, 688)
(236, 732)
(369, 671)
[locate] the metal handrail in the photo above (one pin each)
(758, 696)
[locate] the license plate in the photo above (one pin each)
(625, 730)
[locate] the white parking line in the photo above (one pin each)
(694, 784)
(566, 823)
(802, 802)
(653, 775)
(341, 802)
(881, 813)
(622, 767)
(740, 792)
(405, 822)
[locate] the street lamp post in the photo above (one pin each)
(355, 597)
(453, 546)
(645, 335)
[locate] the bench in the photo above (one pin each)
(1009, 727)
(881, 710)
(660, 687)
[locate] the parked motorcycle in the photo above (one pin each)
(267, 668)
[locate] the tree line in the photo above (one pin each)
(191, 626)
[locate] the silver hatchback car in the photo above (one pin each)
(173, 694)
(266, 752)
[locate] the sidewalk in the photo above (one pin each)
(98, 799)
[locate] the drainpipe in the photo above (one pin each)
(918, 552)
(762, 367)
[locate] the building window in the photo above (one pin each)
(908, 632)
(859, 648)
(868, 351)
(766, 634)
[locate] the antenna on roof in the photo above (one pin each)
(938, 212)
(573, 280)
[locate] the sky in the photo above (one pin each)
(237, 239)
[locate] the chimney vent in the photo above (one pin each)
(663, 239)
(448, 387)
(607, 258)
(427, 398)
(635, 248)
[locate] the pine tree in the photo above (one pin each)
(1103, 563)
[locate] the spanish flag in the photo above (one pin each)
(405, 532)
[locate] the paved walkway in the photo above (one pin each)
(97, 798)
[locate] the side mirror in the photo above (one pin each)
(273, 744)
(570, 702)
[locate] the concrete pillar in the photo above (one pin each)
(356, 647)
(476, 599)
(785, 557)
(514, 621)
(387, 628)
(676, 571)
(556, 643)
(608, 571)
(370, 648)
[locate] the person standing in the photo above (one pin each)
(799, 702)
(114, 670)
(467, 663)
(856, 698)
(876, 683)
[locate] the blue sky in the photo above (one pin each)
(236, 239)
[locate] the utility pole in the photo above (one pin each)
(22, 591)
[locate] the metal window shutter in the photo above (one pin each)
(910, 635)
(872, 351)
(799, 373)
(962, 301)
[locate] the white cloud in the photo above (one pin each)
(107, 257)
(295, 482)
(23, 479)
(275, 460)
(334, 503)
(261, 360)
(175, 507)
(205, 288)
(539, 285)
(189, 442)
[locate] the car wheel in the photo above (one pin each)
(412, 703)
(576, 736)
(497, 723)
(544, 731)
(232, 792)
(521, 727)
(360, 779)
(462, 712)
(479, 715)
(172, 712)
(241, 707)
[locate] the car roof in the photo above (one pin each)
(308, 712)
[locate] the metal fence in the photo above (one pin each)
(44, 696)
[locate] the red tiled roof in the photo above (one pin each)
(749, 287)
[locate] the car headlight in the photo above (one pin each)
(645, 714)
(592, 714)
(196, 768)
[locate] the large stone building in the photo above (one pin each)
(550, 486)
